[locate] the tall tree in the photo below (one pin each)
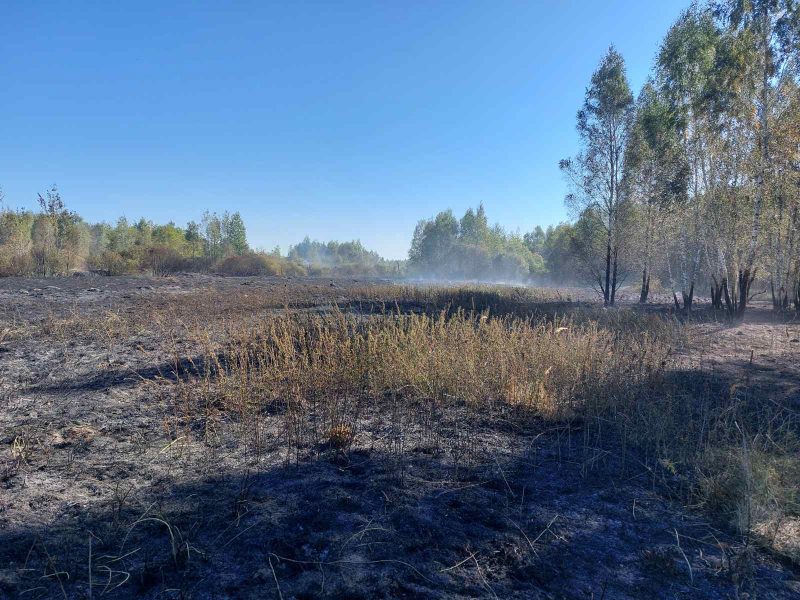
(236, 234)
(784, 224)
(772, 30)
(685, 68)
(656, 175)
(213, 235)
(596, 173)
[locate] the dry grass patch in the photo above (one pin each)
(303, 382)
(318, 372)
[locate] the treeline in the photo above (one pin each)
(343, 258)
(468, 248)
(694, 183)
(446, 247)
(56, 241)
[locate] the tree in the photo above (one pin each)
(193, 238)
(15, 242)
(432, 242)
(685, 73)
(559, 253)
(474, 227)
(213, 235)
(771, 30)
(468, 248)
(655, 176)
(60, 238)
(783, 229)
(236, 234)
(535, 240)
(596, 173)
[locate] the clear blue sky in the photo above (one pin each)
(339, 120)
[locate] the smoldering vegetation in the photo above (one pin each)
(257, 437)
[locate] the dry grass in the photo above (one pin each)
(303, 382)
(320, 372)
(301, 370)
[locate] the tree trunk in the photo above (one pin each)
(716, 292)
(728, 302)
(688, 298)
(780, 298)
(745, 277)
(797, 294)
(614, 279)
(745, 280)
(607, 290)
(645, 287)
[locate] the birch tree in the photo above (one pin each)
(596, 173)
(685, 65)
(656, 174)
(770, 28)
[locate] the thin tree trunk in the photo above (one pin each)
(607, 290)
(645, 292)
(745, 277)
(614, 279)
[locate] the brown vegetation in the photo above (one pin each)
(257, 421)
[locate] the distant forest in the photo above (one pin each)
(56, 241)
(445, 247)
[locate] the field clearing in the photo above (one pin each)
(208, 437)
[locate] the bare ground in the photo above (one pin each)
(98, 497)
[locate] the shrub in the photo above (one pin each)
(249, 265)
(162, 260)
(111, 263)
(14, 264)
(197, 264)
(294, 269)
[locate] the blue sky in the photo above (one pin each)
(338, 120)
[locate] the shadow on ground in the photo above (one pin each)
(371, 523)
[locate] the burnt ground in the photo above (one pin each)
(100, 497)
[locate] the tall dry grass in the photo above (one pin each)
(306, 382)
(319, 372)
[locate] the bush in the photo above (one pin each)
(197, 264)
(162, 260)
(15, 265)
(294, 269)
(111, 263)
(249, 265)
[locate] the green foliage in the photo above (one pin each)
(687, 61)
(109, 262)
(341, 258)
(55, 241)
(558, 252)
(224, 235)
(235, 233)
(445, 247)
(250, 265)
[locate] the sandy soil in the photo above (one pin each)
(99, 498)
